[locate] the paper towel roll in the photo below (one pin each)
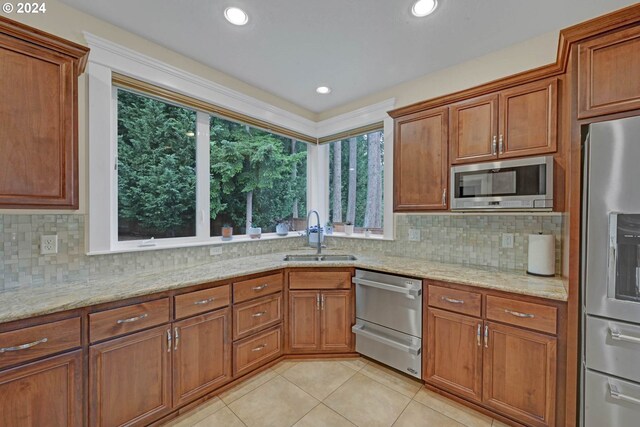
(542, 255)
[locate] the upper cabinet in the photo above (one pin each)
(608, 74)
(516, 122)
(38, 110)
(421, 164)
(474, 129)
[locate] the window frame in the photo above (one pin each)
(108, 58)
(202, 192)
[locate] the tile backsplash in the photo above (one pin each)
(459, 239)
(469, 239)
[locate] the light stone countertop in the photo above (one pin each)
(33, 300)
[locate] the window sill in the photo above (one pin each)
(360, 236)
(213, 241)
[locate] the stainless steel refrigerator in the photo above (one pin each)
(611, 275)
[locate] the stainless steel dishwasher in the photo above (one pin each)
(389, 320)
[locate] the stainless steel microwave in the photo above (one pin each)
(520, 184)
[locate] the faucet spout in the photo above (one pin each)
(319, 230)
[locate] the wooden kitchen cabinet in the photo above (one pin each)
(47, 393)
(474, 130)
(304, 321)
(38, 111)
(336, 319)
(320, 321)
(516, 122)
(130, 379)
(421, 161)
(454, 353)
(520, 374)
(608, 72)
(528, 119)
(201, 355)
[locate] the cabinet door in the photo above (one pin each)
(304, 321)
(608, 74)
(454, 353)
(421, 161)
(130, 379)
(474, 130)
(520, 374)
(336, 314)
(201, 355)
(529, 119)
(42, 394)
(38, 165)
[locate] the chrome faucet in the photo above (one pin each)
(319, 230)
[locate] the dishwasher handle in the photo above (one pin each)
(359, 329)
(409, 292)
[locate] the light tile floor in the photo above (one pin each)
(336, 393)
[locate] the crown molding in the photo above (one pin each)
(373, 113)
(135, 64)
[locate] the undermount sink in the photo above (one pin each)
(315, 257)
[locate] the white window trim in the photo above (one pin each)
(107, 57)
(352, 120)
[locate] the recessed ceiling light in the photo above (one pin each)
(236, 16)
(323, 90)
(423, 8)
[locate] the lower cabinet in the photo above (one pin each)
(130, 379)
(520, 374)
(508, 369)
(42, 394)
(201, 355)
(320, 321)
(454, 356)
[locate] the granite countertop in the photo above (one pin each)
(29, 301)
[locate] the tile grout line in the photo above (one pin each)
(448, 416)
(401, 412)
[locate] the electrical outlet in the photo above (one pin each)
(215, 250)
(49, 244)
(414, 235)
(507, 240)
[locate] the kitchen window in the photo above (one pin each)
(255, 178)
(156, 168)
(258, 178)
(356, 182)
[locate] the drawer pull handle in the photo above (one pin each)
(478, 334)
(24, 346)
(259, 348)
(261, 287)
(204, 301)
(132, 319)
(615, 394)
(518, 314)
(616, 335)
(259, 314)
(177, 339)
(452, 300)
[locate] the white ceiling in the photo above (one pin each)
(357, 47)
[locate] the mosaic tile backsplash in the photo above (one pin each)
(467, 239)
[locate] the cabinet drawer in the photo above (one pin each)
(254, 288)
(526, 314)
(38, 341)
(201, 301)
(253, 352)
(252, 316)
(455, 300)
(119, 321)
(320, 280)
